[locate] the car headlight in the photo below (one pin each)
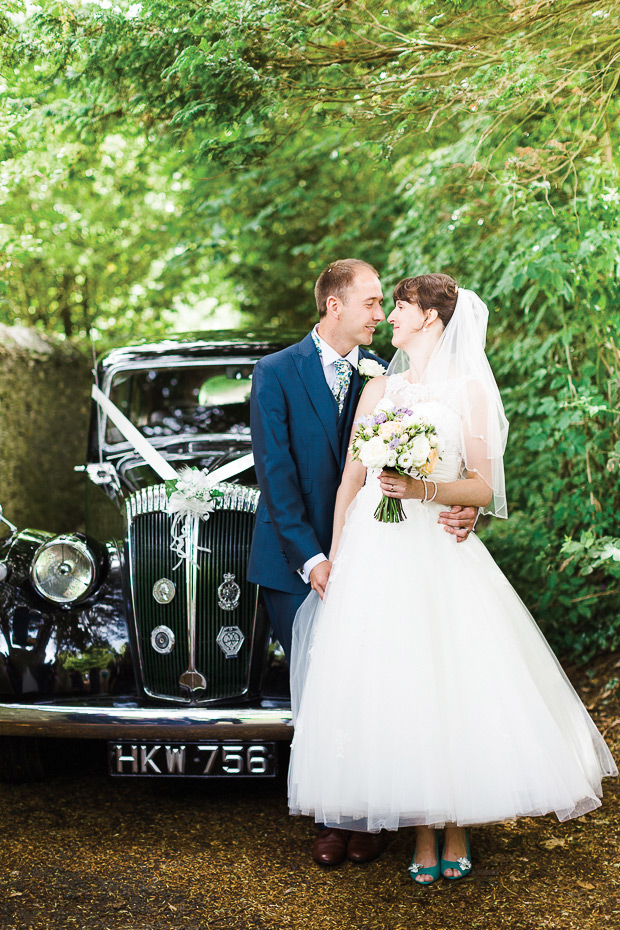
(64, 570)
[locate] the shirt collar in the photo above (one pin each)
(329, 355)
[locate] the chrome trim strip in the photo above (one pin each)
(146, 723)
(131, 512)
(254, 634)
(191, 569)
(192, 680)
(153, 498)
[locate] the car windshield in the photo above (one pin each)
(211, 399)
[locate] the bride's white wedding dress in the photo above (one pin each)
(423, 690)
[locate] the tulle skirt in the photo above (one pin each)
(424, 692)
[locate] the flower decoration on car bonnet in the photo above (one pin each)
(191, 495)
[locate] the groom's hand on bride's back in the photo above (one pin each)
(319, 576)
(459, 521)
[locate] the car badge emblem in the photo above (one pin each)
(228, 593)
(230, 640)
(164, 590)
(162, 640)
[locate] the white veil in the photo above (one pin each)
(459, 357)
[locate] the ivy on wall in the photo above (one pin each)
(44, 404)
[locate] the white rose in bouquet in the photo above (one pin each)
(374, 453)
(385, 405)
(420, 450)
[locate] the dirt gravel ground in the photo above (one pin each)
(83, 852)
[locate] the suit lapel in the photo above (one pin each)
(311, 373)
(355, 385)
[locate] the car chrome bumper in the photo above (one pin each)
(145, 723)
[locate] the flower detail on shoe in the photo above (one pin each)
(464, 864)
(415, 867)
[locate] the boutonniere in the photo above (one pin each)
(368, 368)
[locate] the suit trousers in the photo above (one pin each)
(281, 608)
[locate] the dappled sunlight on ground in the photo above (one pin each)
(93, 854)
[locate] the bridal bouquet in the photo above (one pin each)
(394, 437)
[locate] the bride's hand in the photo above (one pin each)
(400, 486)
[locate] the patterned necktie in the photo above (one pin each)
(343, 375)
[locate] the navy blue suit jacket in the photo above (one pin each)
(300, 448)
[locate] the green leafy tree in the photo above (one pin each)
(93, 231)
(477, 138)
(545, 258)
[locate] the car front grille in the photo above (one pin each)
(181, 610)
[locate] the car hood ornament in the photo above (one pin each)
(228, 593)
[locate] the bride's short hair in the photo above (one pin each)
(430, 291)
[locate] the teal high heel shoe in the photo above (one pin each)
(462, 865)
(416, 868)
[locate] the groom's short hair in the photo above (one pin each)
(335, 279)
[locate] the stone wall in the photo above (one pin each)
(44, 407)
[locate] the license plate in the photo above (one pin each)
(211, 759)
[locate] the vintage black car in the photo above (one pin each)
(105, 634)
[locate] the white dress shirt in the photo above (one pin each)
(328, 357)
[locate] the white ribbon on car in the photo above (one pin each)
(182, 513)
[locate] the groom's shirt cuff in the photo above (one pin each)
(307, 567)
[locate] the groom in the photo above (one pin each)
(303, 403)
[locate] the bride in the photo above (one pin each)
(423, 692)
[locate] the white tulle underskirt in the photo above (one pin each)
(424, 692)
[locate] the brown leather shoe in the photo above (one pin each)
(363, 847)
(330, 847)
